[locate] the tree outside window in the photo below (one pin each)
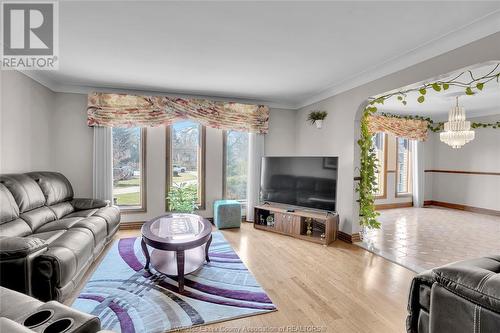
(235, 165)
(185, 165)
(128, 167)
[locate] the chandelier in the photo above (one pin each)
(457, 130)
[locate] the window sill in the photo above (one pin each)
(126, 210)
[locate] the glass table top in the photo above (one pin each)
(177, 227)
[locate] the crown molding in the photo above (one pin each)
(473, 31)
(81, 89)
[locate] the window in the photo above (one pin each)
(186, 158)
(379, 142)
(235, 165)
(129, 165)
(403, 165)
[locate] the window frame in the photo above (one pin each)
(224, 168)
(383, 195)
(409, 191)
(202, 164)
(144, 193)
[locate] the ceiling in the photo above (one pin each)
(437, 104)
(284, 53)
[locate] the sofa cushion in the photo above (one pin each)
(25, 191)
(62, 209)
(477, 280)
(38, 217)
(82, 213)
(112, 216)
(55, 187)
(66, 256)
(18, 228)
(49, 236)
(62, 224)
(98, 226)
(8, 207)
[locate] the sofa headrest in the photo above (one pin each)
(25, 191)
(55, 187)
(8, 206)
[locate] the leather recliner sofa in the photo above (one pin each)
(48, 239)
(459, 297)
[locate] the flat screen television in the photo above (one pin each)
(309, 182)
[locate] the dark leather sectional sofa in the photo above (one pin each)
(48, 239)
(459, 297)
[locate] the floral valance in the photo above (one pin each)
(404, 128)
(122, 110)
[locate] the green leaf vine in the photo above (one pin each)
(367, 184)
(368, 168)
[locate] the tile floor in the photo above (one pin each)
(423, 238)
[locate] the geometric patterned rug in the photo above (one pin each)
(129, 299)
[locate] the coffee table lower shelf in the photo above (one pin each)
(166, 261)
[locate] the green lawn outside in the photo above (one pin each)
(128, 199)
(185, 176)
(128, 182)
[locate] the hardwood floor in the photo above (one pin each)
(339, 288)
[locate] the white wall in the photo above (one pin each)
(71, 148)
(480, 155)
(338, 134)
(281, 139)
(25, 124)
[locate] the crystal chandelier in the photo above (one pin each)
(457, 130)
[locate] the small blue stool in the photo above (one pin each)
(227, 214)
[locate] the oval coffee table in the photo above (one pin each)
(180, 244)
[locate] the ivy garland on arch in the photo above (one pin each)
(367, 185)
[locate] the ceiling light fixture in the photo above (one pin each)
(457, 130)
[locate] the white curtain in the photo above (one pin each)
(418, 164)
(255, 154)
(103, 163)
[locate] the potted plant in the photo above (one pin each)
(182, 198)
(316, 118)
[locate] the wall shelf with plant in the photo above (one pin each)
(316, 118)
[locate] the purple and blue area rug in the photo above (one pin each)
(129, 299)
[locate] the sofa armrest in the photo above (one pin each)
(86, 203)
(476, 280)
(10, 326)
(420, 284)
(19, 247)
(16, 261)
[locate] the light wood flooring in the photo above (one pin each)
(339, 288)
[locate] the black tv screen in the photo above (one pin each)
(300, 181)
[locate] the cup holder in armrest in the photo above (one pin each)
(38, 318)
(59, 326)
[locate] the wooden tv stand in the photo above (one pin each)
(323, 226)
